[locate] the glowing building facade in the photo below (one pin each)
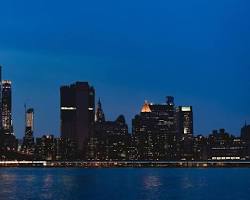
(28, 140)
(185, 121)
(7, 126)
(8, 142)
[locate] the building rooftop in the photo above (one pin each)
(146, 108)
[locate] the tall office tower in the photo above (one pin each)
(8, 141)
(185, 122)
(185, 131)
(154, 130)
(78, 113)
(28, 140)
(6, 108)
(100, 116)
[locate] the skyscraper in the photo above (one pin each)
(28, 140)
(77, 113)
(7, 107)
(185, 121)
(154, 130)
(185, 131)
(8, 141)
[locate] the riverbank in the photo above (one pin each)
(129, 164)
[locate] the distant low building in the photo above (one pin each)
(55, 149)
(8, 147)
(223, 146)
(200, 148)
(245, 135)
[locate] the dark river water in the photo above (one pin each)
(112, 184)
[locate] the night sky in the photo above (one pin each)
(130, 51)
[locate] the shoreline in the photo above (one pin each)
(125, 164)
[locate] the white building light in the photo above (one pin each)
(68, 108)
(186, 109)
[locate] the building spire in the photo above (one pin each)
(100, 116)
(170, 100)
(146, 108)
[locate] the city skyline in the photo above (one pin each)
(160, 132)
(109, 114)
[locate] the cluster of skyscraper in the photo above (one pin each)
(8, 141)
(157, 133)
(160, 132)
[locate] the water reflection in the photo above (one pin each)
(47, 187)
(68, 181)
(7, 185)
(30, 179)
(123, 184)
(187, 183)
(8, 177)
(47, 181)
(152, 182)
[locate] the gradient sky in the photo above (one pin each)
(197, 51)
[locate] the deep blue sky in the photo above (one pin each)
(197, 51)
